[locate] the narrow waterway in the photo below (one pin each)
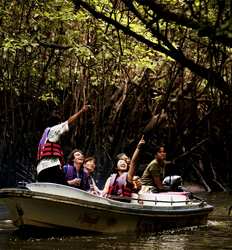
(217, 234)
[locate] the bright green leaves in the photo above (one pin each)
(50, 97)
(53, 44)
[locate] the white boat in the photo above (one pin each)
(50, 205)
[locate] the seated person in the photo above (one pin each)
(74, 171)
(136, 179)
(123, 156)
(120, 184)
(89, 168)
(154, 173)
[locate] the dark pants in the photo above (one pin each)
(53, 174)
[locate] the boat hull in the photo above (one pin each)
(95, 214)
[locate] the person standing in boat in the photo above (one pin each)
(74, 170)
(154, 173)
(120, 184)
(50, 155)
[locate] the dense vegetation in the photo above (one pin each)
(160, 68)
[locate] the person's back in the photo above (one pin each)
(50, 154)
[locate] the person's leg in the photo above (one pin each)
(53, 175)
(59, 176)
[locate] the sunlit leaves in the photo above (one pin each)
(49, 97)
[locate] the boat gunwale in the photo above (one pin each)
(113, 206)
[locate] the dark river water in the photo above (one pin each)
(217, 234)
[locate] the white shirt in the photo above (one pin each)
(54, 135)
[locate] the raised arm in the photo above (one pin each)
(131, 171)
(74, 117)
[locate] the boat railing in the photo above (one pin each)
(155, 201)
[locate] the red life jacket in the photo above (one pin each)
(119, 185)
(49, 149)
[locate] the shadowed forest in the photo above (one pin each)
(161, 68)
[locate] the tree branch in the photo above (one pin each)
(204, 29)
(214, 78)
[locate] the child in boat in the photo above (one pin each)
(50, 154)
(74, 170)
(120, 184)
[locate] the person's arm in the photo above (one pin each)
(74, 117)
(74, 182)
(106, 187)
(158, 183)
(96, 190)
(131, 171)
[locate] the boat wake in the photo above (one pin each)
(216, 223)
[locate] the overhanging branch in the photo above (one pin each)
(204, 29)
(213, 77)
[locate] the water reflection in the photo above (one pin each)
(103, 242)
(188, 240)
(216, 235)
